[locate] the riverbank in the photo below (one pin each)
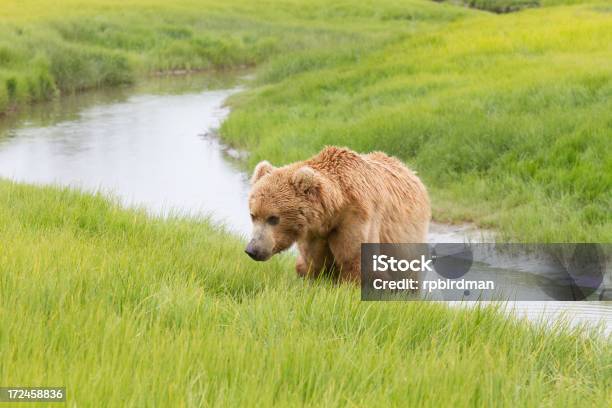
(135, 310)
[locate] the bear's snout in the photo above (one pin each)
(254, 252)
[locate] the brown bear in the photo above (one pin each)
(332, 203)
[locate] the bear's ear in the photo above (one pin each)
(305, 180)
(263, 168)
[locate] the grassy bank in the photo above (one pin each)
(46, 50)
(128, 310)
(506, 117)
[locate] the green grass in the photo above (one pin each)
(505, 117)
(46, 50)
(129, 310)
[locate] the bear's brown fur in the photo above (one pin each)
(332, 203)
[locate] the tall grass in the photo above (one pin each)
(129, 310)
(505, 117)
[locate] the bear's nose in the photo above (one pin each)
(252, 252)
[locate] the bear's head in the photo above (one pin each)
(283, 203)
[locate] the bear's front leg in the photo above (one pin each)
(345, 244)
(315, 258)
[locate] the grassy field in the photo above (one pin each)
(128, 310)
(506, 117)
(45, 50)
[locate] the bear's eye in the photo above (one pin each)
(273, 220)
(252, 217)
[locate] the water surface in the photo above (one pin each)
(150, 147)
